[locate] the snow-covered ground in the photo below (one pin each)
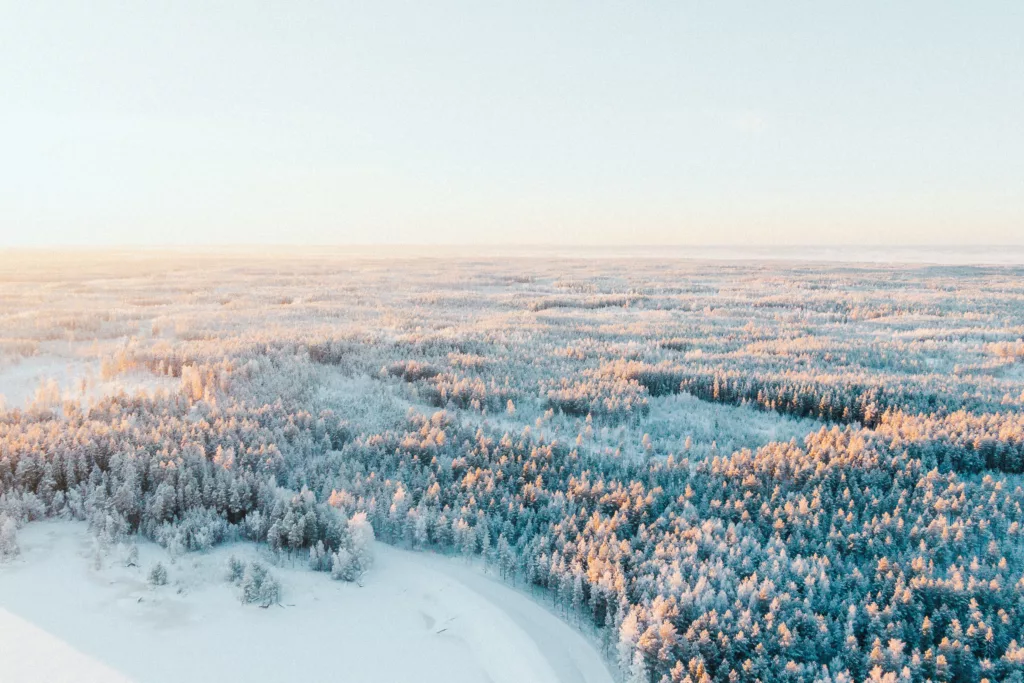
(416, 617)
(29, 653)
(56, 377)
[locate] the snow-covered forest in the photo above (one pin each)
(722, 471)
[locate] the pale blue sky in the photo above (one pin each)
(651, 122)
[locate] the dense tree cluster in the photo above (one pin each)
(797, 562)
(256, 585)
(843, 398)
(961, 441)
(184, 472)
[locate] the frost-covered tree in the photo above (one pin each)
(8, 538)
(258, 586)
(361, 538)
(131, 557)
(235, 570)
(158, 575)
(638, 670)
(345, 566)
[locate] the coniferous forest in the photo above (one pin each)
(722, 471)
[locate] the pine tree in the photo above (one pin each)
(158, 575)
(638, 669)
(235, 570)
(362, 539)
(344, 566)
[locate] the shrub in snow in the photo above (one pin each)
(158, 575)
(270, 592)
(98, 551)
(236, 569)
(258, 585)
(132, 557)
(344, 566)
(8, 538)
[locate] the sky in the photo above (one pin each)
(688, 122)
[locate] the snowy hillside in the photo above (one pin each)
(417, 616)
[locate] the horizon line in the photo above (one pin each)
(204, 246)
(912, 255)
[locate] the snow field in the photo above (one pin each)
(416, 617)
